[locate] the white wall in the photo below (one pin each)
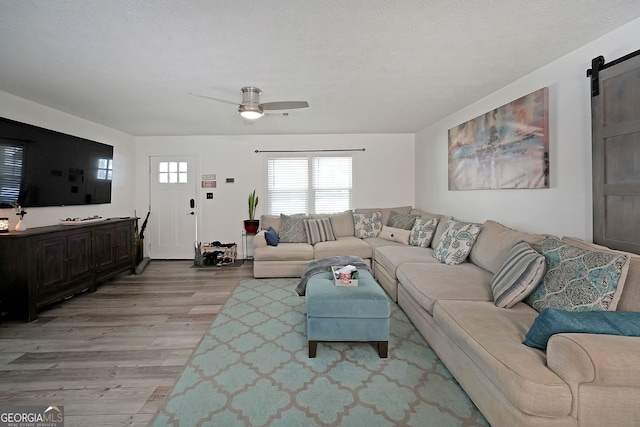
(123, 191)
(566, 207)
(383, 174)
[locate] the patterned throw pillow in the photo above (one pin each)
(521, 271)
(579, 279)
(423, 231)
(367, 224)
(292, 229)
(318, 230)
(397, 220)
(456, 242)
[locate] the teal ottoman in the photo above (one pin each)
(347, 313)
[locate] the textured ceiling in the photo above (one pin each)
(364, 66)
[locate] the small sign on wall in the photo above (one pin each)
(208, 180)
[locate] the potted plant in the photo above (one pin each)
(251, 224)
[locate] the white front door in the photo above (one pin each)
(174, 216)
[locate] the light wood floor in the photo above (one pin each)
(111, 357)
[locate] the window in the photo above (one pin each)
(309, 184)
(172, 172)
(11, 171)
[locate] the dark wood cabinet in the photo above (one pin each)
(64, 265)
(113, 248)
(45, 264)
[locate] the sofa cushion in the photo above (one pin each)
(495, 240)
(551, 321)
(367, 224)
(349, 245)
(630, 297)
(318, 230)
(270, 221)
(520, 273)
(284, 252)
(422, 231)
(395, 234)
(440, 229)
(271, 237)
(390, 257)
(424, 214)
(579, 279)
(377, 242)
(292, 229)
(457, 241)
(430, 282)
(404, 221)
(341, 222)
(492, 337)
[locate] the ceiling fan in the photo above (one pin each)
(251, 109)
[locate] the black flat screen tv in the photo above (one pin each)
(42, 167)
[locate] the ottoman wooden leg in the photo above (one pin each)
(383, 349)
(313, 347)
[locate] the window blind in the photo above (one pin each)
(11, 170)
(331, 184)
(309, 184)
(287, 185)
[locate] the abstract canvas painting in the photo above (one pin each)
(504, 148)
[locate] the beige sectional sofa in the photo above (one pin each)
(581, 379)
(289, 259)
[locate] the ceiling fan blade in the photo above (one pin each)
(284, 105)
(213, 99)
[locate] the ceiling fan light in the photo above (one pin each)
(250, 112)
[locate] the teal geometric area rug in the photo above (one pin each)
(252, 369)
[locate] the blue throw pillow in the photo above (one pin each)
(272, 237)
(552, 321)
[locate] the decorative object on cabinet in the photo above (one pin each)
(251, 225)
(79, 221)
(4, 225)
(21, 225)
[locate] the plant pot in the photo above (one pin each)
(251, 226)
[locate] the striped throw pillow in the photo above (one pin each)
(319, 230)
(521, 271)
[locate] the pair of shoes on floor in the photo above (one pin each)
(222, 245)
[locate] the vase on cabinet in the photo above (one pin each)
(21, 225)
